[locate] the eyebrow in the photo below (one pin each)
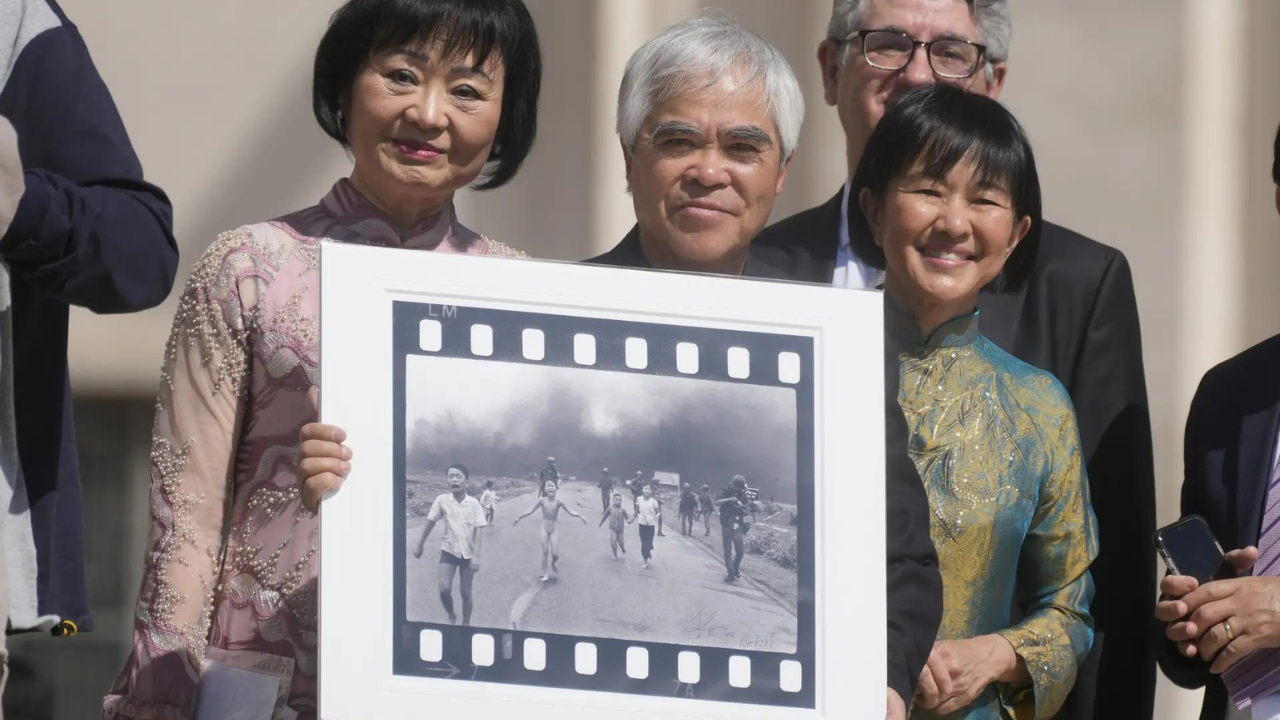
(751, 133)
(675, 127)
(670, 128)
(455, 70)
(941, 36)
(980, 183)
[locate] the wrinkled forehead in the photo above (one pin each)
(922, 19)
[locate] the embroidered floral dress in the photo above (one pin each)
(231, 554)
(996, 444)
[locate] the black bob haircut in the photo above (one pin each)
(362, 29)
(1275, 159)
(940, 127)
(460, 467)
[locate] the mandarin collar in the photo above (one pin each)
(956, 332)
(347, 206)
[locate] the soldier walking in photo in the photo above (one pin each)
(706, 508)
(606, 488)
(688, 509)
(733, 529)
(637, 489)
(656, 486)
(548, 473)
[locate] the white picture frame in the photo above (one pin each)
(363, 643)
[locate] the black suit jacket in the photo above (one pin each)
(1227, 454)
(1077, 318)
(914, 585)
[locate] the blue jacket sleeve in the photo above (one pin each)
(88, 230)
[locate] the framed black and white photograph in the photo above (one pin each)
(571, 503)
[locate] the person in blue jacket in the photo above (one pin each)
(87, 230)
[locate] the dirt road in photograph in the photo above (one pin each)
(680, 598)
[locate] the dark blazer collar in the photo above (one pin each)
(630, 254)
(627, 254)
(1257, 449)
(860, 241)
(823, 236)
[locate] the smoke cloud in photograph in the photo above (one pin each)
(504, 419)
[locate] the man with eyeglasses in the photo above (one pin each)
(1077, 317)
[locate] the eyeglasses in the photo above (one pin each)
(892, 50)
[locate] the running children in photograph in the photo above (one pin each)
(733, 529)
(618, 521)
(488, 501)
(649, 514)
(460, 549)
(551, 508)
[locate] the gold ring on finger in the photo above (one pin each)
(1231, 634)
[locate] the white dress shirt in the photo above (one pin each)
(850, 272)
(1267, 708)
(1275, 459)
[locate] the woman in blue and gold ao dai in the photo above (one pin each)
(949, 191)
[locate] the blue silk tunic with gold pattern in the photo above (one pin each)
(997, 447)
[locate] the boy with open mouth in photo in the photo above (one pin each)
(460, 549)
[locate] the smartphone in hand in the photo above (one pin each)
(1189, 548)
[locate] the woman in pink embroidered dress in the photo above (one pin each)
(427, 96)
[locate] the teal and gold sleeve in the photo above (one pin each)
(1054, 586)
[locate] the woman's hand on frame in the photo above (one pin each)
(324, 462)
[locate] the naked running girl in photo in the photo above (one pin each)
(551, 508)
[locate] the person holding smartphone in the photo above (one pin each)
(1224, 635)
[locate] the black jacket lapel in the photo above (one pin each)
(803, 246)
(630, 254)
(1001, 313)
(1256, 450)
(627, 254)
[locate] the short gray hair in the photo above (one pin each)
(995, 25)
(695, 55)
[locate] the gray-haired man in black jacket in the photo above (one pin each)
(705, 160)
(1077, 316)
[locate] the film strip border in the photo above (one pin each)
(607, 664)
(561, 661)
